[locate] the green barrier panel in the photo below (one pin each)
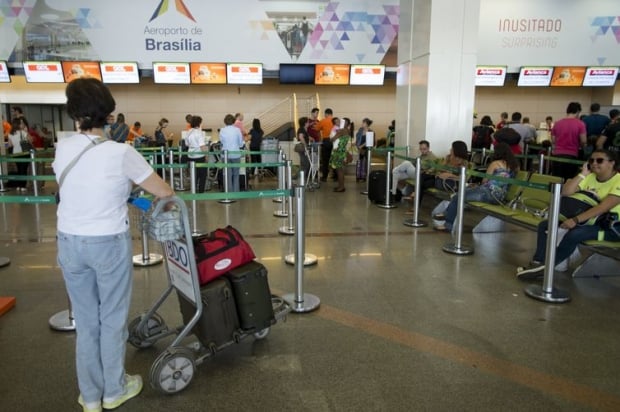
(387, 149)
(565, 160)
(252, 194)
(217, 165)
(510, 180)
(28, 177)
(26, 159)
(28, 199)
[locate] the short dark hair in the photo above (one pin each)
(367, 121)
(162, 121)
(89, 102)
(516, 117)
(328, 111)
(229, 119)
(459, 149)
(614, 113)
(421, 142)
(196, 121)
(573, 108)
(595, 107)
(314, 110)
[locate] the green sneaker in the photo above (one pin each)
(133, 386)
(90, 406)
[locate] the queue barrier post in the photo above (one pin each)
(33, 172)
(301, 302)
(171, 162)
(282, 212)
(308, 258)
(181, 186)
(458, 248)
(548, 165)
(225, 179)
(289, 229)
(282, 158)
(161, 156)
(192, 179)
(368, 163)
(546, 292)
(388, 204)
(3, 168)
(63, 321)
(541, 163)
(415, 221)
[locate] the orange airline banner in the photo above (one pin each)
(81, 69)
(208, 73)
(568, 76)
(331, 74)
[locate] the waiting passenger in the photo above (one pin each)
(302, 147)
(503, 164)
(600, 179)
(119, 130)
(338, 159)
(406, 170)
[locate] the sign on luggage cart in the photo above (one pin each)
(179, 270)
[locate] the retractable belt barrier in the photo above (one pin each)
(301, 302)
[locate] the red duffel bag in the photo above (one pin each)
(220, 251)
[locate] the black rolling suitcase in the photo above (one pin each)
(219, 323)
(376, 186)
(252, 295)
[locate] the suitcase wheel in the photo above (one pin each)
(262, 334)
(173, 370)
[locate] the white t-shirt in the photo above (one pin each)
(93, 197)
(16, 139)
(195, 139)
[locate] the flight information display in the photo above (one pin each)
(244, 73)
(43, 72)
(120, 72)
(367, 75)
(4, 73)
(171, 73)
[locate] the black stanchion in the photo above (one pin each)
(301, 302)
(546, 292)
(415, 221)
(387, 204)
(458, 248)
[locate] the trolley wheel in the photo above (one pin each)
(173, 370)
(137, 337)
(262, 334)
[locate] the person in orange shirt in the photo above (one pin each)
(135, 132)
(6, 128)
(325, 127)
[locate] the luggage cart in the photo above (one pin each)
(268, 143)
(173, 370)
(313, 151)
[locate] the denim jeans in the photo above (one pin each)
(405, 170)
(233, 176)
(569, 242)
(476, 194)
(98, 276)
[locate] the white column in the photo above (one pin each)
(437, 47)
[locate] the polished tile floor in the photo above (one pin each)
(402, 325)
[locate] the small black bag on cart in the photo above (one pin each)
(252, 296)
(219, 323)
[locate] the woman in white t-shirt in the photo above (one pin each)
(19, 132)
(94, 243)
(197, 147)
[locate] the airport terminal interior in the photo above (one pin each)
(401, 326)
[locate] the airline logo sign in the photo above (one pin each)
(600, 76)
(535, 76)
(180, 6)
(490, 75)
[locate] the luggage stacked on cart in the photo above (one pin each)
(234, 289)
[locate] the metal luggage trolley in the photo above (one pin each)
(313, 151)
(173, 369)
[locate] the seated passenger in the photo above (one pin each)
(603, 180)
(503, 164)
(406, 170)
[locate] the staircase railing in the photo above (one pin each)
(286, 110)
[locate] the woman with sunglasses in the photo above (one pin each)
(598, 176)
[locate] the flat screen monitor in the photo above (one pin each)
(568, 76)
(4, 73)
(600, 76)
(490, 75)
(367, 75)
(43, 72)
(331, 74)
(296, 73)
(171, 73)
(244, 73)
(120, 72)
(535, 76)
(81, 70)
(208, 73)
